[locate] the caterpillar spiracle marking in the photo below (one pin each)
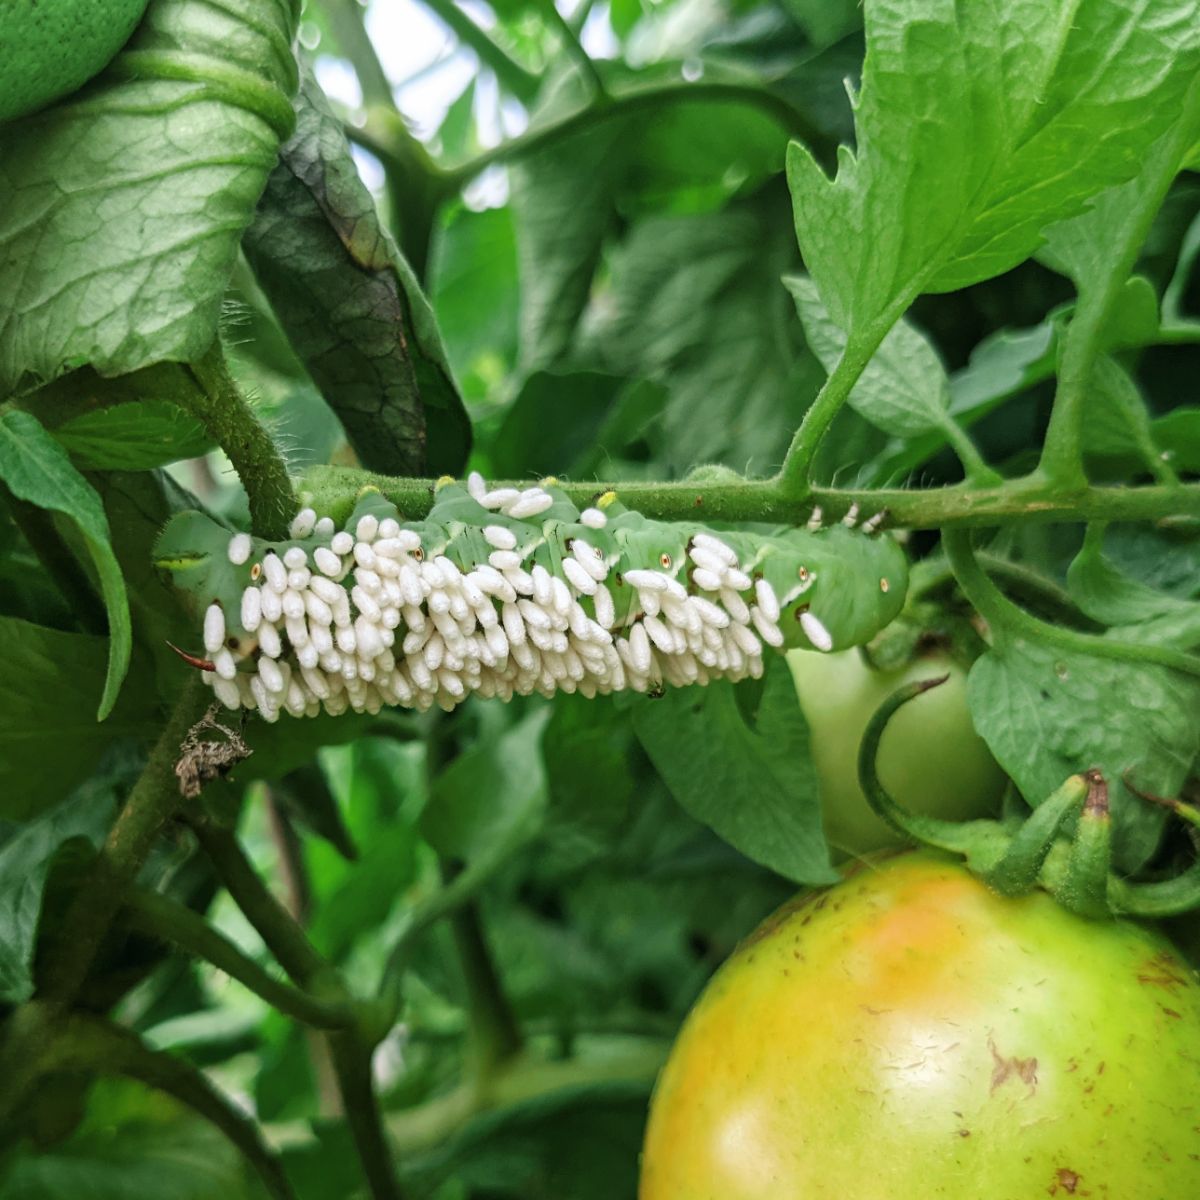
(508, 592)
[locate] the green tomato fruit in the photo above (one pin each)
(49, 48)
(930, 759)
(911, 1035)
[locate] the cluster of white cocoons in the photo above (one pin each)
(373, 618)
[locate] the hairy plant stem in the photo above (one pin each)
(334, 489)
(159, 916)
(218, 404)
(1007, 621)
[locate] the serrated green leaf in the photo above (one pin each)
(563, 201)
(49, 737)
(977, 126)
(124, 205)
(695, 304)
(1047, 713)
(903, 390)
(747, 775)
(37, 469)
(133, 437)
(25, 861)
(351, 305)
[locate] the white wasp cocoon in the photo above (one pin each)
(815, 631)
(240, 546)
(214, 628)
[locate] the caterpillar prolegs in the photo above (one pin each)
(510, 592)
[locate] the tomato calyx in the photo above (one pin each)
(1016, 853)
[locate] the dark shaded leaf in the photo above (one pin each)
(351, 305)
(37, 469)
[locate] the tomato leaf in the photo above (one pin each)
(49, 737)
(748, 776)
(563, 205)
(124, 205)
(495, 792)
(137, 436)
(695, 303)
(351, 305)
(976, 127)
(1048, 713)
(37, 469)
(903, 390)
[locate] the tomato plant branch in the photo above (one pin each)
(523, 1081)
(793, 477)
(346, 18)
(352, 1065)
(1007, 620)
(378, 136)
(574, 47)
(275, 925)
(933, 575)
(333, 490)
(350, 1049)
(218, 404)
(159, 916)
(154, 798)
(95, 1044)
(495, 1034)
(512, 75)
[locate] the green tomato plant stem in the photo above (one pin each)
(794, 475)
(275, 925)
(154, 799)
(160, 916)
(494, 1033)
(351, 1054)
(333, 490)
(381, 137)
(351, 1048)
(218, 404)
(1007, 620)
(1062, 449)
(87, 1042)
(512, 75)
(574, 47)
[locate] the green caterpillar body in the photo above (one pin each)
(507, 592)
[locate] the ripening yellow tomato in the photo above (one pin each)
(910, 1035)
